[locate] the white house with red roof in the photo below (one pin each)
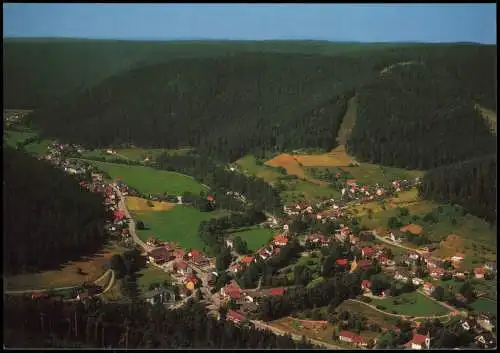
(351, 337)
(437, 273)
(479, 272)
(367, 252)
(366, 286)
(341, 262)
(429, 288)
(235, 267)
(280, 240)
(234, 316)
(232, 291)
(419, 341)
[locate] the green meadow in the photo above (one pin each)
(255, 237)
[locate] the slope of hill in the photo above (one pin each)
(422, 116)
(223, 106)
(471, 184)
(37, 71)
(48, 218)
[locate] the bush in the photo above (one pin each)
(380, 307)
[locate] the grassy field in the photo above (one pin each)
(67, 275)
(384, 321)
(138, 204)
(180, 225)
(150, 180)
(417, 305)
(249, 165)
(38, 148)
(485, 305)
(13, 137)
(149, 275)
(139, 154)
(255, 237)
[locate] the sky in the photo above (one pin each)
(333, 22)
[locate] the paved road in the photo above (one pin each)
(131, 224)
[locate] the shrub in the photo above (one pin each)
(380, 307)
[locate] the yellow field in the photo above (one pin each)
(288, 162)
(336, 158)
(452, 245)
(139, 204)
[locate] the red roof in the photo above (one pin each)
(210, 198)
(277, 291)
(181, 265)
(367, 251)
(39, 295)
(366, 284)
(234, 315)
(246, 260)
(119, 214)
(354, 337)
(280, 239)
(364, 263)
(341, 262)
(276, 250)
(419, 339)
(194, 253)
(351, 182)
(479, 271)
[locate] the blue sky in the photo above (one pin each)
(334, 22)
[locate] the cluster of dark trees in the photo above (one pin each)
(257, 192)
(48, 323)
(331, 292)
(214, 231)
(267, 269)
(48, 217)
(420, 116)
(126, 267)
(471, 184)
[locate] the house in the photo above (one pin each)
(366, 285)
(465, 325)
(235, 267)
(234, 316)
(160, 255)
(429, 288)
(351, 337)
(277, 291)
(82, 296)
(232, 291)
(479, 272)
(367, 252)
(459, 276)
(118, 215)
(457, 257)
(437, 273)
(229, 243)
(181, 267)
(414, 229)
(263, 254)
(280, 240)
(401, 276)
(490, 266)
(197, 257)
(364, 264)
(191, 281)
(420, 341)
(341, 262)
(246, 260)
(37, 295)
(179, 254)
(417, 281)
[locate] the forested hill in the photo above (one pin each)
(421, 114)
(228, 106)
(416, 103)
(37, 71)
(471, 184)
(48, 218)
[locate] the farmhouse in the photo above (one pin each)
(280, 240)
(159, 255)
(246, 260)
(181, 267)
(437, 273)
(457, 257)
(479, 272)
(341, 262)
(366, 286)
(367, 252)
(401, 276)
(419, 341)
(232, 291)
(235, 316)
(429, 288)
(417, 281)
(351, 337)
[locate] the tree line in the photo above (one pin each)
(471, 184)
(48, 217)
(55, 324)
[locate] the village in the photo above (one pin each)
(409, 270)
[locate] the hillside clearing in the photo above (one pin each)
(289, 162)
(139, 204)
(249, 165)
(92, 267)
(412, 304)
(179, 224)
(150, 180)
(255, 237)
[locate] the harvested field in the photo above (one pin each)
(139, 204)
(288, 162)
(336, 158)
(92, 268)
(452, 245)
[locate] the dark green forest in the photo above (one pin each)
(421, 116)
(472, 184)
(48, 218)
(54, 324)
